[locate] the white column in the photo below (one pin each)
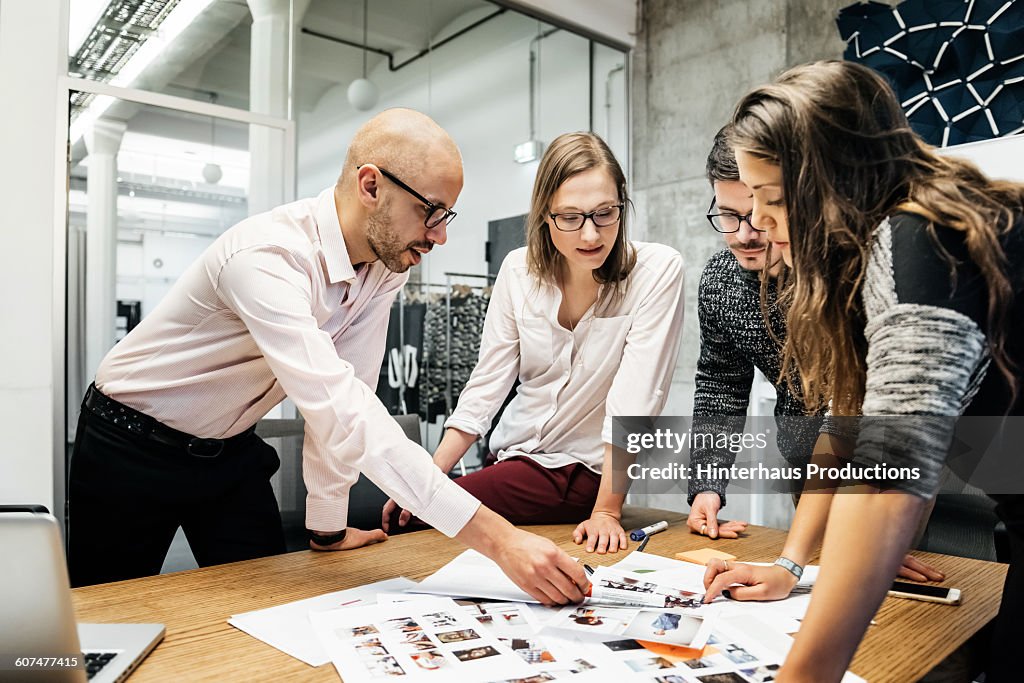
(269, 69)
(102, 141)
(33, 177)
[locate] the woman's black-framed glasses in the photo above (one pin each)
(729, 222)
(436, 214)
(602, 218)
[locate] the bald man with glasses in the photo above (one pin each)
(294, 302)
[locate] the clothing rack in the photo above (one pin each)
(448, 327)
(424, 370)
(447, 292)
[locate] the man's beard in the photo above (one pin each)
(386, 244)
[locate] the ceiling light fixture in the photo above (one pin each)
(532, 149)
(362, 93)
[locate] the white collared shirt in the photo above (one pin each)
(272, 308)
(617, 361)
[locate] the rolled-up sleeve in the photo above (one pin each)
(348, 429)
(497, 365)
(644, 376)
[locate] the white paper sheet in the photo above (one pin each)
(419, 641)
(471, 575)
(287, 627)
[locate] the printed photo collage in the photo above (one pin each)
(428, 640)
(517, 627)
(417, 638)
(724, 659)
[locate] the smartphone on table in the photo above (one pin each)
(919, 591)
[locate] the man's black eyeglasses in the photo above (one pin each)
(729, 222)
(436, 214)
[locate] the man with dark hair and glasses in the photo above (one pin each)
(734, 340)
(733, 336)
(294, 302)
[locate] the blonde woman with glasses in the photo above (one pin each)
(589, 323)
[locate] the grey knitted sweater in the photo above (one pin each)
(733, 341)
(928, 360)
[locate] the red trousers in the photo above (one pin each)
(524, 492)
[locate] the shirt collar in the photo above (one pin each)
(339, 265)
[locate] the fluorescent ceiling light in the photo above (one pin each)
(184, 13)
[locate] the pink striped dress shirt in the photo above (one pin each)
(273, 308)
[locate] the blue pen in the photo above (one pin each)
(641, 534)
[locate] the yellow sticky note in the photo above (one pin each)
(703, 555)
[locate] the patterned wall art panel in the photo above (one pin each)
(956, 65)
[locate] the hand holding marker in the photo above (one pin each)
(646, 533)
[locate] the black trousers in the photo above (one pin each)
(1008, 627)
(129, 494)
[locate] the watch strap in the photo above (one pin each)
(326, 539)
(790, 566)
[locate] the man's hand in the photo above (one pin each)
(916, 570)
(758, 583)
(389, 509)
(603, 533)
(703, 518)
(354, 538)
(541, 569)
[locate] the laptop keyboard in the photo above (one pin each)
(94, 661)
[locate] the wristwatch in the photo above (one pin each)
(326, 539)
(790, 566)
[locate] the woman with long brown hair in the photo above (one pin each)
(906, 302)
(589, 322)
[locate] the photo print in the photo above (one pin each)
(458, 636)
(475, 653)
(431, 660)
(727, 677)
(650, 664)
(384, 667)
(762, 674)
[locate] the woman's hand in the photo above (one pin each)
(757, 583)
(603, 532)
(916, 570)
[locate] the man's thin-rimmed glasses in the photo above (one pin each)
(436, 214)
(602, 218)
(729, 222)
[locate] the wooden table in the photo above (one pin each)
(910, 637)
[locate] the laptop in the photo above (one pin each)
(37, 619)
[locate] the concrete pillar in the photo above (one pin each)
(269, 66)
(686, 77)
(102, 141)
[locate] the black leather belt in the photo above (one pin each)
(140, 424)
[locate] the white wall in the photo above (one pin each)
(1000, 158)
(477, 88)
(33, 36)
